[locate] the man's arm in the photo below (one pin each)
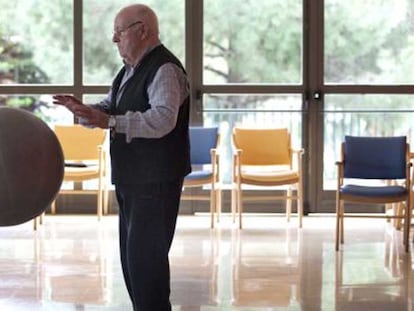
(166, 93)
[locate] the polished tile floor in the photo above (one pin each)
(72, 263)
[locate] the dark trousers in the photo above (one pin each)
(147, 218)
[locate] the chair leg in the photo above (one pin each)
(337, 232)
(218, 204)
(53, 207)
(407, 225)
(399, 211)
(411, 217)
(288, 203)
(37, 221)
(342, 219)
(240, 206)
(106, 199)
(299, 203)
(99, 204)
(212, 206)
(389, 207)
(233, 204)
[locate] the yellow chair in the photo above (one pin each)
(372, 171)
(85, 159)
(264, 157)
(204, 145)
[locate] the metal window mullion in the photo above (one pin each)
(78, 48)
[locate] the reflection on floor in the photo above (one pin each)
(72, 263)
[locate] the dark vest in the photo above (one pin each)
(148, 160)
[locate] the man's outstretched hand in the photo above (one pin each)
(69, 101)
(89, 116)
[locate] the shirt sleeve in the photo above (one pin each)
(166, 93)
(105, 104)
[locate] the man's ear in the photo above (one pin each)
(144, 32)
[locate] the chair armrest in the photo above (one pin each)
(215, 151)
(297, 163)
(215, 163)
(236, 167)
(410, 174)
(300, 151)
(215, 155)
(236, 157)
(340, 174)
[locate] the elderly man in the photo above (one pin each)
(147, 111)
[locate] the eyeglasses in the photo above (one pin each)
(119, 33)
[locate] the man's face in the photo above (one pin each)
(126, 36)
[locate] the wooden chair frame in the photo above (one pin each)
(369, 200)
(212, 178)
(85, 159)
(242, 175)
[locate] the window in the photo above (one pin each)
(38, 52)
(369, 42)
(38, 47)
(255, 43)
(101, 59)
(250, 63)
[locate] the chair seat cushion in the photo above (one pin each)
(81, 173)
(201, 174)
(270, 173)
(373, 191)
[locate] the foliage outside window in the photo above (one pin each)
(36, 50)
(247, 42)
(369, 42)
(36, 42)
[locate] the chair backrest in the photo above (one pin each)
(263, 146)
(202, 140)
(80, 143)
(375, 157)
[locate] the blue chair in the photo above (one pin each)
(380, 159)
(204, 142)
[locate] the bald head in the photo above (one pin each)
(143, 13)
(135, 32)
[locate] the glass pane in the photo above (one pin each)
(93, 98)
(101, 59)
(36, 42)
(93, 184)
(369, 42)
(362, 115)
(259, 42)
(253, 110)
(39, 105)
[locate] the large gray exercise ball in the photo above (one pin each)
(31, 166)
